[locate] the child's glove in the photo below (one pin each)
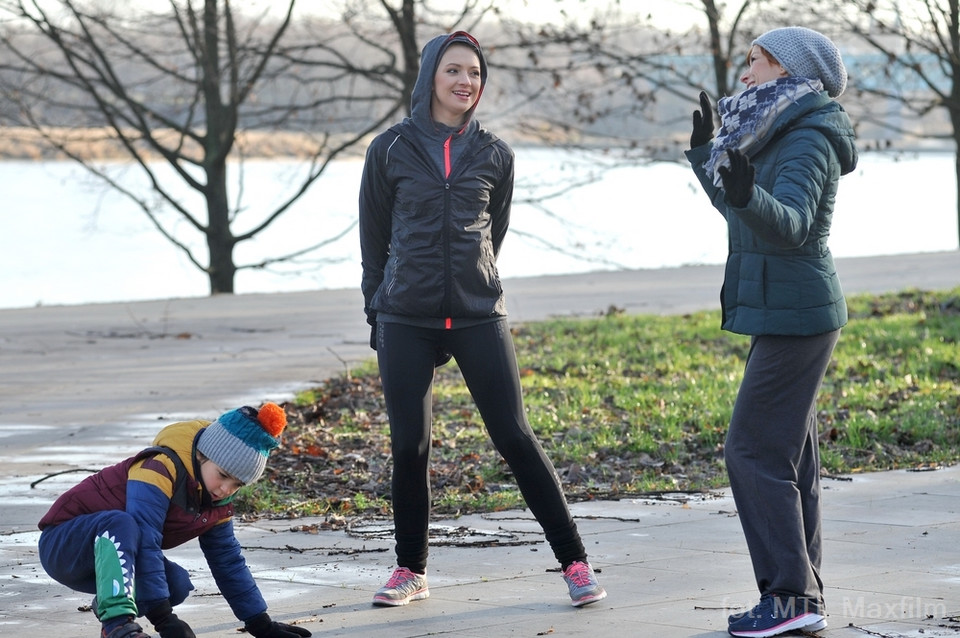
(167, 624)
(738, 179)
(260, 626)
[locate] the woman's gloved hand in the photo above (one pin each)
(443, 356)
(738, 179)
(702, 122)
(260, 626)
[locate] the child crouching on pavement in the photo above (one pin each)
(105, 536)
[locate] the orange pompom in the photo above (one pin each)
(272, 418)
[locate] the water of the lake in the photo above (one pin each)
(68, 240)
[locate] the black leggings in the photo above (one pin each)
(488, 362)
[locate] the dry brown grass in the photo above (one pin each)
(98, 144)
(103, 144)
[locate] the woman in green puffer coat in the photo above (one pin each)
(773, 172)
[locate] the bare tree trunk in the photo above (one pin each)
(953, 30)
(955, 120)
(173, 83)
(406, 26)
(220, 241)
(718, 56)
(219, 138)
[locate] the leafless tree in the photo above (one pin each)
(623, 66)
(186, 83)
(917, 64)
(177, 85)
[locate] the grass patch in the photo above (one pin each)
(631, 404)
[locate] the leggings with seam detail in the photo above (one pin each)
(487, 359)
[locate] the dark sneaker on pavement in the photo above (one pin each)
(583, 585)
(815, 606)
(128, 629)
(775, 615)
(820, 625)
(403, 587)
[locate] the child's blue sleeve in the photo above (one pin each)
(148, 505)
(229, 568)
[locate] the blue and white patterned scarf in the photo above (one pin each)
(746, 118)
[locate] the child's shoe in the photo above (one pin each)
(122, 628)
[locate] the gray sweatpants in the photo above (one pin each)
(773, 460)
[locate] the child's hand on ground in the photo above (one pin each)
(167, 624)
(260, 626)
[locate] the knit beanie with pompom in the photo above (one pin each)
(240, 440)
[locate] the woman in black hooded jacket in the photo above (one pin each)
(434, 209)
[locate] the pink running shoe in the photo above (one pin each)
(403, 587)
(584, 588)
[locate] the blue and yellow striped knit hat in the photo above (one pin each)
(240, 440)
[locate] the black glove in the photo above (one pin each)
(702, 122)
(443, 355)
(738, 179)
(372, 320)
(260, 626)
(167, 624)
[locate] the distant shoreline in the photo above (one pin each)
(102, 144)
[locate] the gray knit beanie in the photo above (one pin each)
(240, 440)
(807, 53)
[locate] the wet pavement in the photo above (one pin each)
(81, 387)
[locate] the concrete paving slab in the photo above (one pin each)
(83, 386)
(662, 579)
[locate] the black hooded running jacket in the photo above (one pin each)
(429, 241)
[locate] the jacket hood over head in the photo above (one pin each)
(423, 89)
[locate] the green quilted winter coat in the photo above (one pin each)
(780, 277)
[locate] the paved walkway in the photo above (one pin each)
(81, 387)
